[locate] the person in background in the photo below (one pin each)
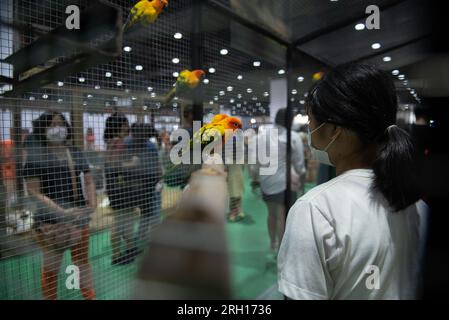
(53, 175)
(356, 236)
(274, 186)
(119, 192)
(90, 140)
(144, 173)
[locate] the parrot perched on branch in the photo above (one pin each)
(217, 127)
(145, 12)
(187, 80)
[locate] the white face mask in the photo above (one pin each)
(57, 134)
(320, 155)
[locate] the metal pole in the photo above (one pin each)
(288, 125)
(197, 59)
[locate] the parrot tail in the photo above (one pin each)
(170, 96)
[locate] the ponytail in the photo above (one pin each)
(395, 175)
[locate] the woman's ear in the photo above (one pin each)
(336, 131)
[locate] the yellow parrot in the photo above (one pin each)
(145, 12)
(218, 126)
(187, 80)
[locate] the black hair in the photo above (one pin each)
(114, 125)
(141, 133)
(43, 122)
(281, 117)
(363, 99)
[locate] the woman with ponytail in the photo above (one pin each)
(356, 236)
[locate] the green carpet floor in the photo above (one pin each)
(253, 267)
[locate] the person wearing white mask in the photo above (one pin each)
(358, 235)
(53, 174)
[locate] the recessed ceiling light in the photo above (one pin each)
(97, 87)
(127, 49)
(266, 94)
(302, 102)
(119, 83)
(108, 74)
(45, 96)
(395, 72)
(153, 94)
(376, 46)
(229, 88)
(294, 91)
(60, 83)
(177, 35)
(282, 71)
(32, 98)
(211, 102)
(216, 98)
(224, 52)
(133, 98)
(206, 81)
(239, 96)
(232, 101)
(175, 74)
(300, 79)
(359, 26)
(249, 90)
(386, 59)
(222, 93)
(89, 96)
(150, 89)
(256, 63)
(139, 67)
(81, 79)
(212, 70)
(239, 77)
(401, 77)
(175, 60)
(60, 100)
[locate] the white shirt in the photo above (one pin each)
(341, 235)
(277, 182)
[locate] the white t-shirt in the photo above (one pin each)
(342, 241)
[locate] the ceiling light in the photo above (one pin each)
(212, 70)
(359, 26)
(302, 102)
(32, 98)
(97, 87)
(60, 100)
(81, 79)
(224, 52)
(139, 67)
(239, 77)
(376, 46)
(282, 71)
(127, 49)
(153, 94)
(256, 63)
(89, 96)
(178, 35)
(206, 81)
(60, 83)
(395, 72)
(222, 93)
(175, 74)
(150, 89)
(119, 83)
(266, 94)
(249, 90)
(300, 79)
(175, 60)
(386, 59)
(229, 88)
(294, 91)
(45, 96)
(108, 74)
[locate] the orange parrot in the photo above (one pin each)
(187, 80)
(145, 12)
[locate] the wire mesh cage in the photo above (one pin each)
(86, 120)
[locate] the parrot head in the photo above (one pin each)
(218, 118)
(161, 4)
(233, 123)
(199, 73)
